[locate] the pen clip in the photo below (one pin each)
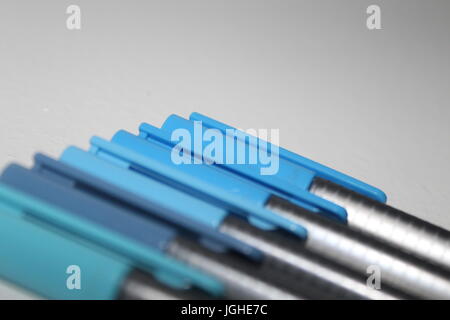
(211, 193)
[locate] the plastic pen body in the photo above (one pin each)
(241, 279)
(146, 258)
(38, 258)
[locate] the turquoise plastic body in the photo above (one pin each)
(37, 258)
(167, 270)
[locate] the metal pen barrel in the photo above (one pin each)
(358, 252)
(388, 224)
(242, 279)
(140, 285)
(318, 278)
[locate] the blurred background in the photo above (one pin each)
(371, 103)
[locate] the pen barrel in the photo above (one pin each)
(362, 253)
(140, 285)
(242, 279)
(388, 224)
(37, 258)
(315, 276)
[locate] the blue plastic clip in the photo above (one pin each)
(304, 163)
(293, 178)
(156, 181)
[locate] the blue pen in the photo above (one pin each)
(365, 205)
(60, 265)
(129, 170)
(99, 203)
(292, 206)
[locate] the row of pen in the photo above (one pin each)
(150, 216)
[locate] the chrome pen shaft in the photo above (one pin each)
(242, 279)
(317, 277)
(388, 224)
(140, 285)
(360, 252)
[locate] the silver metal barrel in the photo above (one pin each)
(318, 278)
(388, 224)
(359, 252)
(242, 279)
(140, 285)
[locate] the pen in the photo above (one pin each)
(36, 256)
(280, 246)
(365, 205)
(284, 250)
(326, 237)
(241, 278)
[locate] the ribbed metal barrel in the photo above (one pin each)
(242, 279)
(142, 286)
(359, 252)
(388, 224)
(316, 277)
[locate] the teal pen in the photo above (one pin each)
(58, 265)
